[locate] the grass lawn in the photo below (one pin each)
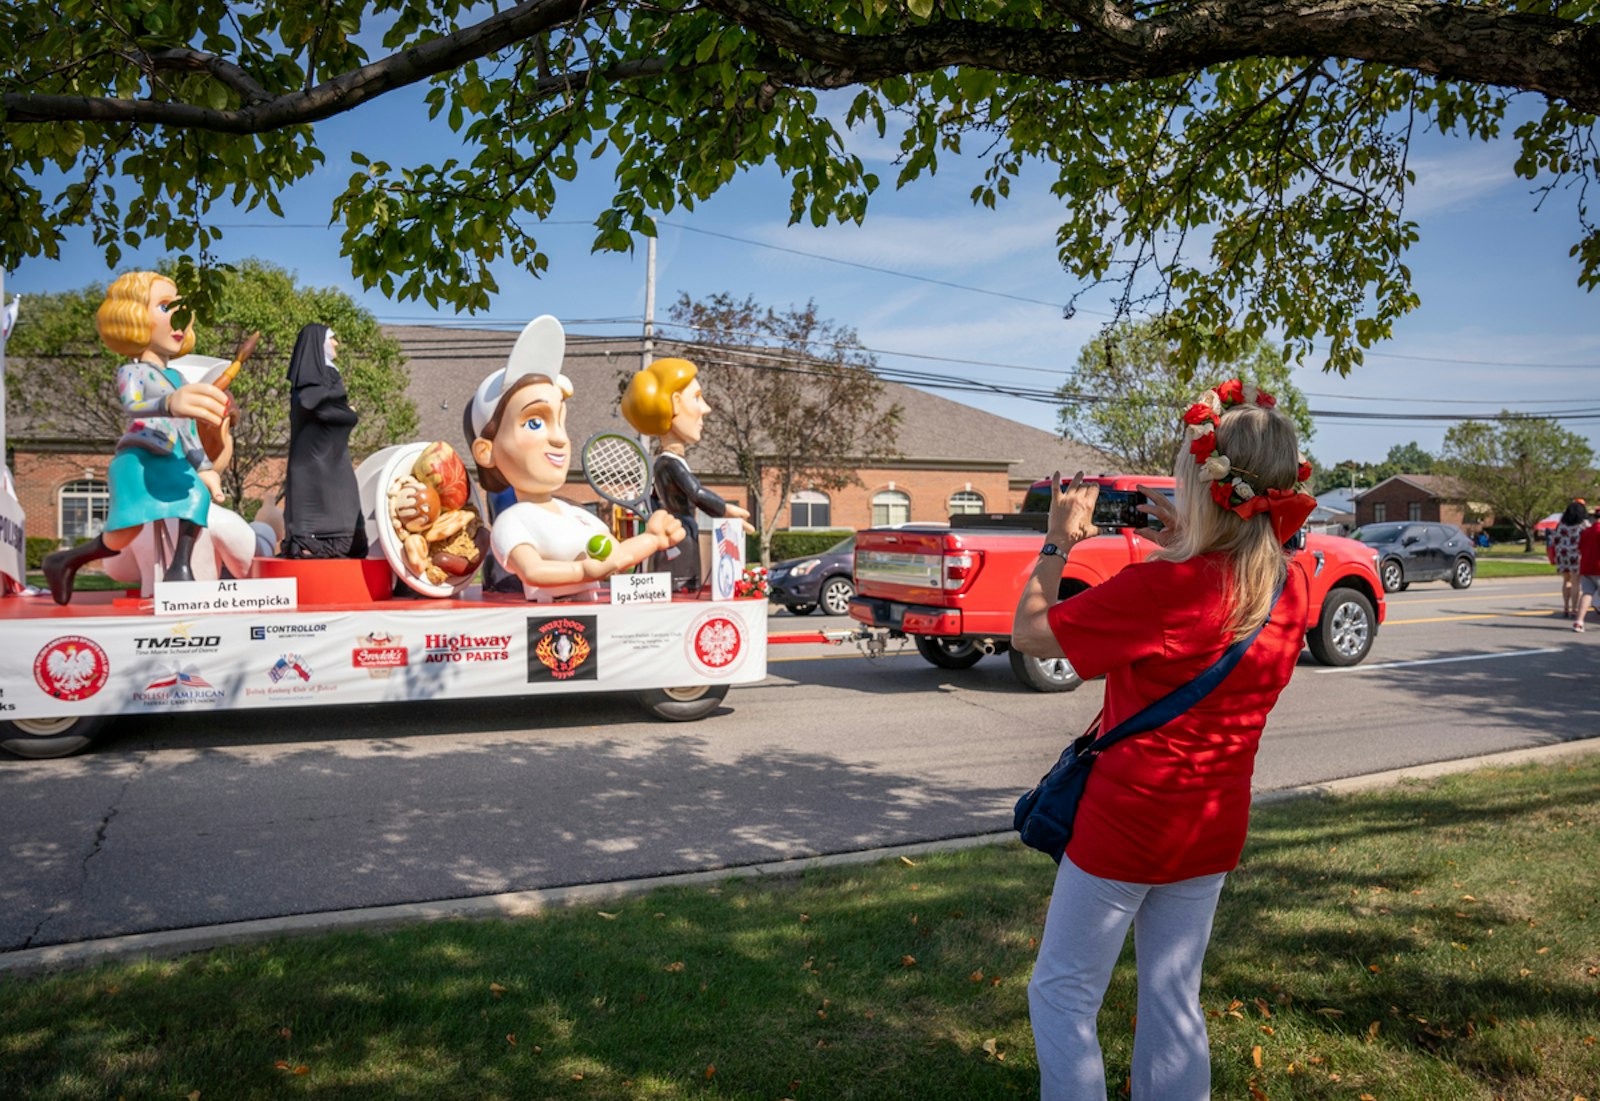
(86, 581)
(1433, 943)
(1516, 566)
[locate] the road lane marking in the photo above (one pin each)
(1392, 601)
(842, 657)
(1440, 661)
(1545, 612)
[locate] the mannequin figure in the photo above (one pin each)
(160, 470)
(665, 400)
(323, 515)
(519, 420)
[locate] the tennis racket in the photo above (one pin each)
(618, 469)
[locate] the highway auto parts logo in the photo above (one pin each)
(71, 668)
(715, 643)
(179, 686)
(379, 654)
(561, 649)
(457, 648)
(289, 668)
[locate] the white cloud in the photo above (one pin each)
(1459, 180)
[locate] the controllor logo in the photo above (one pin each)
(562, 649)
(715, 643)
(72, 668)
(290, 667)
(263, 632)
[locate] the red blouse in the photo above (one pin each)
(1173, 803)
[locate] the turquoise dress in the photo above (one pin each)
(155, 474)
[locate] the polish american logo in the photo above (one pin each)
(175, 686)
(379, 653)
(715, 643)
(562, 649)
(71, 668)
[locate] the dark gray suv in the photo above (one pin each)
(1416, 550)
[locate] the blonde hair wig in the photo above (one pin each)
(123, 319)
(647, 404)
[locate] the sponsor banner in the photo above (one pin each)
(13, 546)
(410, 651)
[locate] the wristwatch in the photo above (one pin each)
(1051, 548)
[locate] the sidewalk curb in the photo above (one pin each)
(178, 942)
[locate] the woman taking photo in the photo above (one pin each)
(1164, 814)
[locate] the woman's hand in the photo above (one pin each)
(1158, 507)
(1071, 510)
(199, 400)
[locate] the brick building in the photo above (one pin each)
(1433, 497)
(953, 458)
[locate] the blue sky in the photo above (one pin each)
(1502, 321)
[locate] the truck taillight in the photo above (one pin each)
(960, 569)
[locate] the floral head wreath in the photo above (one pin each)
(1288, 507)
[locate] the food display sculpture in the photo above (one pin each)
(665, 400)
(160, 470)
(322, 516)
(519, 419)
(435, 524)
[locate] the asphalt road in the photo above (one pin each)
(204, 819)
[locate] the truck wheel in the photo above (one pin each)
(948, 653)
(42, 739)
(1461, 575)
(836, 594)
(683, 705)
(1345, 633)
(1043, 674)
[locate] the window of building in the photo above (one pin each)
(890, 506)
(810, 509)
(1414, 510)
(965, 502)
(1380, 513)
(84, 505)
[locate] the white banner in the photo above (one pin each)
(13, 541)
(60, 664)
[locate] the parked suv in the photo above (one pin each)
(1419, 551)
(801, 584)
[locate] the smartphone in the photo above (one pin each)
(1119, 508)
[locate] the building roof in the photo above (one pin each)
(1441, 486)
(446, 366)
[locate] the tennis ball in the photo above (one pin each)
(600, 547)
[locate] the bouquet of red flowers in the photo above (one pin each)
(753, 583)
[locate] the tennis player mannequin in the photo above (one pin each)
(520, 414)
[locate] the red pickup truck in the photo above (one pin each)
(953, 591)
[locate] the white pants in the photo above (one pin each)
(1083, 936)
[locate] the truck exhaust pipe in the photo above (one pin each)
(986, 647)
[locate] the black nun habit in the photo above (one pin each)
(323, 513)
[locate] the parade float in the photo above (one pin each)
(229, 629)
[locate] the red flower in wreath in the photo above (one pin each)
(1231, 392)
(1202, 448)
(1198, 413)
(1303, 473)
(1222, 493)
(1266, 400)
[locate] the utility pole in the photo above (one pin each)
(648, 352)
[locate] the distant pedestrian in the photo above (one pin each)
(1163, 818)
(1588, 572)
(1564, 553)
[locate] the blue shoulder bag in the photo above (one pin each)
(1043, 816)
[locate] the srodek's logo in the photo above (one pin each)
(562, 649)
(71, 668)
(379, 654)
(715, 643)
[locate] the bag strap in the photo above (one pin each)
(1179, 700)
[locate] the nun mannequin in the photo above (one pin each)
(520, 441)
(322, 516)
(665, 400)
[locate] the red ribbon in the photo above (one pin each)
(1289, 510)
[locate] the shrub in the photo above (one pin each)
(36, 548)
(793, 544)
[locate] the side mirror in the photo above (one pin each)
(1297, 541)
(1410, 540)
